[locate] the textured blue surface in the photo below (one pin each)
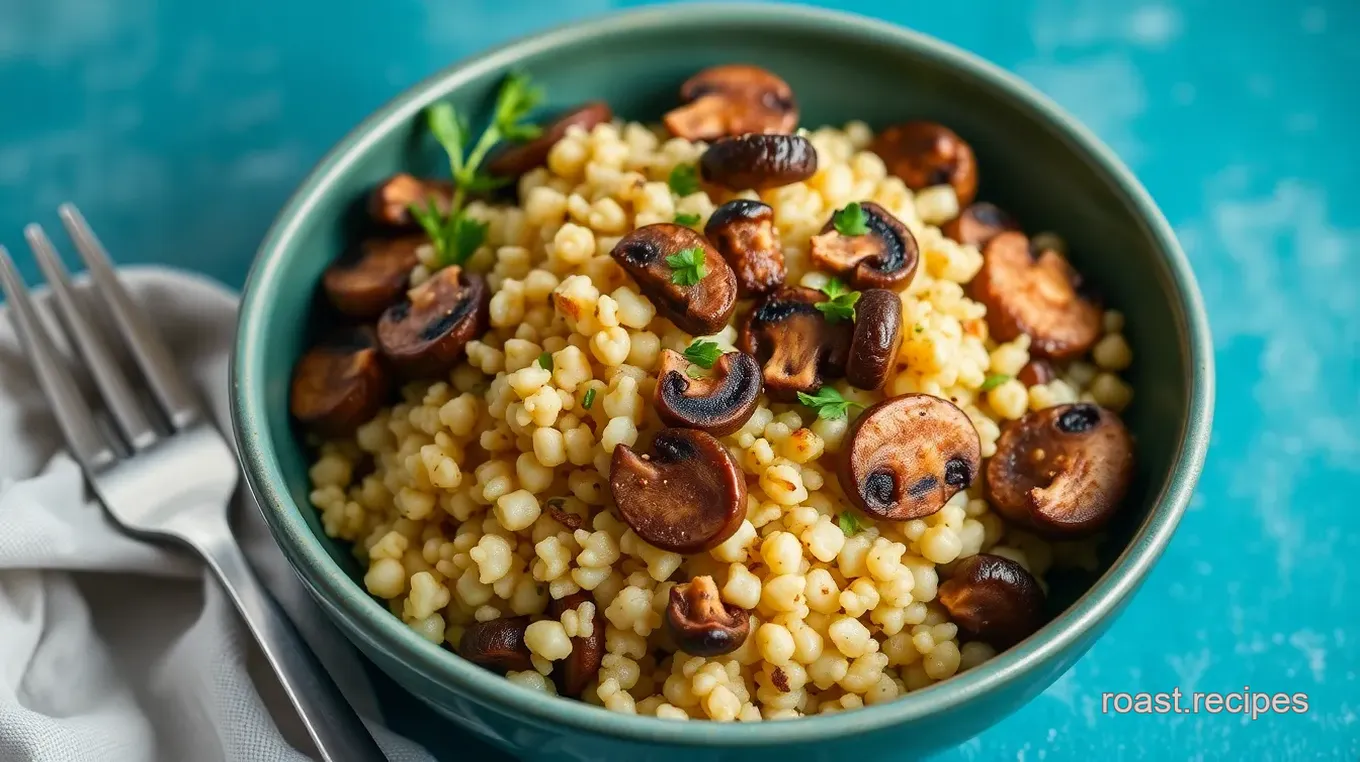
(181, 127)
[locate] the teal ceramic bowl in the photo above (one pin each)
(1034, 159)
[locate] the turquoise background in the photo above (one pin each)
(181, 127)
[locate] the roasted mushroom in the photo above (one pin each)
(391, 200)
(497, 645)
(993, 599)
(686, 496)
(1038, 297)
(884, 256)
(758, 161)
(718, 404)
(575, 672)
(733, 100)
(1037, 372)
(979, 223)
(925, 154)
(515, 159)
(373, 277)
(907, 456)
(682, 274)
(1062, 470)
(424, 334)
(877, 336)
(702, 624)
(797, 348)
(339, 384)
(743, 232)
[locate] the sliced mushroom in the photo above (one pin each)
(1038, 297)
(925, 154)
(907, 456)
(743, 231)
(424, 334)
(373, 277)
(718, 404)
(516, 159)
(702, 624)
(1037, 372)
(700, 309)
(340, 383)
(979, 223)
(575, 672)
(733, 100)
(759, 162)
(994, 599)
(797, 348)
(1062, 470)
(497, 645)
(877, 337)
(686, 496)
(391, 200)
(884, 257)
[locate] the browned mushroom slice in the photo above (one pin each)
(925, 154)
(497, 645)
(1062, 470)
(686, 496)
(339, 384)
(575, 672)
(424, 335)
(994, 599)
(884, 256)
(733, 100)
(1038, 297)
(373, 277)
(718, 404)
(878, 334)
(1037, 372)
(795, 345)
(391, 200)
(515, 159)
(699, 296)
(743, 231)
(702, 624)
(759, 161)
(907, 456)
(979, 223)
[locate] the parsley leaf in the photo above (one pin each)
(828, 403)
(849, 523)
(687, 219)
(684, 180)
(688, 266)
(589, 399)
(840, 303)
(851, 220)
(545, 361)
(517, 98)
(703, 353)
(992, 381)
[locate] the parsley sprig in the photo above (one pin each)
(828, 403)
(851, 220)
(703, 353)
(992, 381)
(840, 302)
(849, 523)
(545, 361)
(684, 180)
(687, 266)
(689, 220)
(589, 398)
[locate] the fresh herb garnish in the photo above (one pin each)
(993, 380)
(688, 266)
(851, 220)
(828, 403)
(849, 523)
(703, 353)
(919, 328)
(687, 219)
(545, 361)
(589, 399)
(840, 303)
(684, 180)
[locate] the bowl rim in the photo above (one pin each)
(374, 622)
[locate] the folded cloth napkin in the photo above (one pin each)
(116, 650)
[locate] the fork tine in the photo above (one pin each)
(108, 377)
(70, 408)
(147, 346)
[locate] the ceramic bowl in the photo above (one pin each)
(1035, 161)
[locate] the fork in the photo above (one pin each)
(162, 470)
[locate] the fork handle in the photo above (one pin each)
(334, 726)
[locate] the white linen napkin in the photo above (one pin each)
(115, 650)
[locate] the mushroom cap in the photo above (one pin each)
(994, 599)
(925, 154)
(1034, 296)
(758, 161)
(699, 309)
(390, 201)
(701, 623)
(718, 404)
(575, 672)
(743, 231)
(1062, 470)
(373, 276)
(1037, 372)
(907, 456)
(884, 257)
(877, 337)
(979, 223)
(687, 495)
(733, 99)
(515, 159)
(797, 348)
(339, 384)
(424, 334)
(497, 645)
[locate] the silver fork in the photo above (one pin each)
(166, 473)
